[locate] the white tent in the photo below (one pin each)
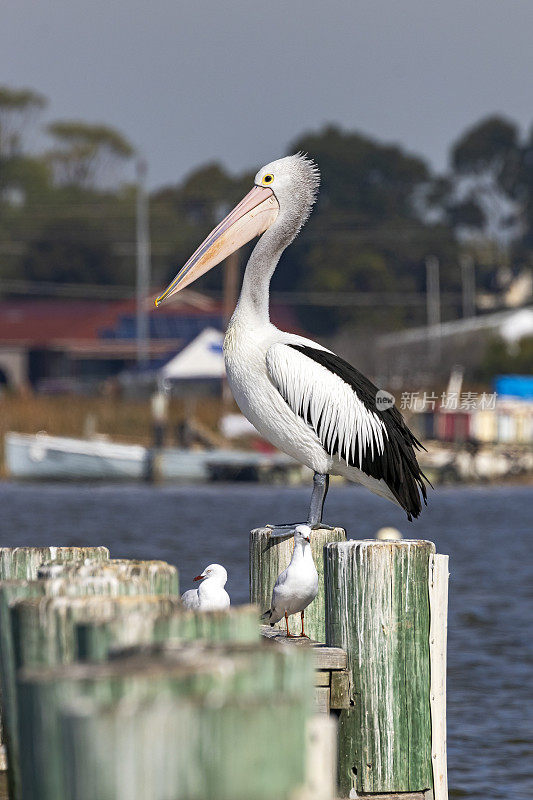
(202, 358)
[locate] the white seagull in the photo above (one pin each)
(296, 586)
(303, 398)
(210, 595)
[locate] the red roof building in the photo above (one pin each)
(44, 342)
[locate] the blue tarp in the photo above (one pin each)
(520, 386)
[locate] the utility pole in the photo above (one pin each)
(468, 281)
(143, 266)
(433, 305)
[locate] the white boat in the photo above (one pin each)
(176, 464)
(44, 457)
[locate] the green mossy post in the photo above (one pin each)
(271, 555)
(377, 609)
(96, 638)
(169, 748)
(45, 628)
(22, 563)
(10, 592)
(162, 577)
(201, 747)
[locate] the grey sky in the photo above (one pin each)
(237, 81)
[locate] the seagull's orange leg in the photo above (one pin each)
(303, 635)
(289, 634)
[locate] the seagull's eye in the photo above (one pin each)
(267, 179)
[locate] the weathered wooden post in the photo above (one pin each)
(162, 577)
(11, 591)
(44, 629)
(232, 690)
(378, 609)
(438, 634)
(271, 555)
(22, 563)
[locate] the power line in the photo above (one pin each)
(317, 299)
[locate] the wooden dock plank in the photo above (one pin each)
(340, 689)
(325, 657)
(322, 677)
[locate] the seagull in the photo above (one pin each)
(296, 586)
(210, 595)
(304, 399)
(388, 535)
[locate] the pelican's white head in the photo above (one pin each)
(282, 198)
(294, 181)
(214, 572)
(302, 533)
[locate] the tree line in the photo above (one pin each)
(67, 214)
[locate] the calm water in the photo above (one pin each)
(485, 531)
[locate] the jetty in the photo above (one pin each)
(111, 690)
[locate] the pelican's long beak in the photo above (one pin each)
(254, 214)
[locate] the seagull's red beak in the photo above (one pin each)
(250, 218)
(198, 578)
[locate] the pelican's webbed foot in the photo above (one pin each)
(285, 529)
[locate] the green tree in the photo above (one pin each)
(367, 232)
(485, 146)
(499, 359)
(86, 155)
(70, 251)
(369, 178)
(18, 109)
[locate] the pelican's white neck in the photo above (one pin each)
(254, 297)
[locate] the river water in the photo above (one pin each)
(486, 532)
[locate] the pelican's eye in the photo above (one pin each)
(267, 179)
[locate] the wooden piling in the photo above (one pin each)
(22, 563)
(162, 577)
(45, 628)
(268, 556)
(377, 609)
(10, 592)
(169, 748)
(249, 707)
(438, 631)
(96, 638)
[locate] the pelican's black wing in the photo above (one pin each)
(339, 403)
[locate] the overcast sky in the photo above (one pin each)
(237, 80)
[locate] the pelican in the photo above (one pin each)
(304, 399)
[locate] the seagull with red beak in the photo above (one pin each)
(304, 399)
(210, 595)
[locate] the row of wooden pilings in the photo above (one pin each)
(112, 691)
